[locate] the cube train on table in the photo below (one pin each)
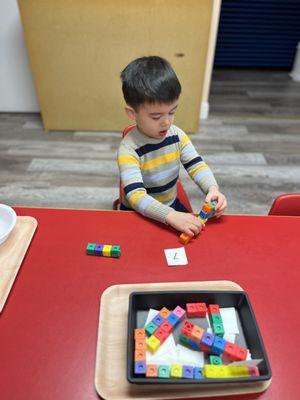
(173, 310)
(105, 250)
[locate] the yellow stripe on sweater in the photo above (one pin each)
(166, 197)
(127, 160)
(132, 200)
(194, 171)
(185, 140)
(160, 160)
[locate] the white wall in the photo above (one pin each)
(17, 92)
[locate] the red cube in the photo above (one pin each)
(161, 334)
(187, 328)
(213, 309)
(240, 353)
(230, 351)
(167, 326)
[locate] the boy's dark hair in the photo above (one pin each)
(149, 79)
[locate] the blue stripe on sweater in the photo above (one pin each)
(132, 186)
(195, 160)
(147, 148)
(163, 188)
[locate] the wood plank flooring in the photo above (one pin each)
(251, 141)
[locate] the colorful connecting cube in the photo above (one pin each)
(218, 346)
(99, 250)
(180, 312)
(215, 360)
(187, 328)
(176, 371)
(140, 355)
(104, 250)
(153, 344)
(164, 371)
(140, 367)
(207, 341)
(90, 248)
(173, 319)
(197, 333)
(150, 328)
(198, 373)
(164, 312)
(151, 371)
(139, 334)
(158, 319)
(188, 372)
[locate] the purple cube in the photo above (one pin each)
(158, 320)
(99, 250)
(207, 339)
(140, 367)
(188, 372)
(180, 312)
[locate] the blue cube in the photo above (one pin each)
(140, 367)
(99, 250)
(198, 373)
(218, 346)
(173, 319)
(192, 343)
(187, 372)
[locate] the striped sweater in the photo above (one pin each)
(149, 169)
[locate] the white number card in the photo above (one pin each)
(176, 256)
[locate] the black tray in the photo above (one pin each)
(249, 336)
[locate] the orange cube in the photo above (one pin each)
(140, 355)
(164, 312)
(151, 371)
(197, 333)
(184, 238)
(140, 344)
(139, 334)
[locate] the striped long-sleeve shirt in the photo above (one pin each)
(149, 169)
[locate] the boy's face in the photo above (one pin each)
(153, 120)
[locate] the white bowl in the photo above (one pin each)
(8, 219)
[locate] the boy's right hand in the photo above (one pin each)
(184, 222)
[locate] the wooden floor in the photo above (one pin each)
(251, 141)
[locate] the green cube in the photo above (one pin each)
(90, 249)
(215, 360)
(216, 319)
(116, 251)
(183, 339)
(164, 371)
(218, 329)
(150, 328)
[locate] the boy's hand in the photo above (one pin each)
(184, 222)
(215, 195)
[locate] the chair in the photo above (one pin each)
(286, 204)
(181, 193)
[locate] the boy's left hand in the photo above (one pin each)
(215, 195)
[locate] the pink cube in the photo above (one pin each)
(180, 312)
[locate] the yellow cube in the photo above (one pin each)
(153, 344)
(238, 371)
(216, 371)
(176, 371)
(107, 250)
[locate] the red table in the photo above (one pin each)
(48, 328)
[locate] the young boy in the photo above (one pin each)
(149, 156)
